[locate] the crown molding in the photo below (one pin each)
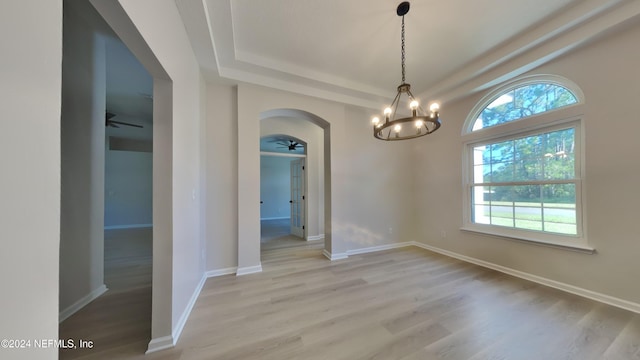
(210, 29)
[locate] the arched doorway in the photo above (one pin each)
(286, 179)
(249, 198)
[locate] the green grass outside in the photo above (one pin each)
(552, 223)
(547, 205)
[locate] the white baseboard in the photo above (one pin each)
(177, 330)
(378, 248)
(275, 218)
(220, 272)
(315, 237)
(161, 343)
(334, 256)
(248, 270)
(84, 301)
(130, 226)
(167, 342)
(606, 299)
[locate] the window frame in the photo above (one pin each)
(554, 120)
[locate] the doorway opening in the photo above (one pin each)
(283, 184)
(116, 230)
(292, 181)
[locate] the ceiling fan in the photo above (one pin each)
(114, 123)
(289, 144)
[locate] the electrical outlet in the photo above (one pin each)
(443, 234)
(390, 230)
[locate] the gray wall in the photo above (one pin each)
(162, 29)
(83, 137)
(607, 72)
(221, 182)
(275, 187)
(30, 181)
(370, 183)
(128, 188)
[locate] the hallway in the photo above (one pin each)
(276, 234)
(118, 322)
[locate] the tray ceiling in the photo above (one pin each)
(349, 51)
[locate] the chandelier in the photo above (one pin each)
(420, 123)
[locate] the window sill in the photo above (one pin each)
(557, 245)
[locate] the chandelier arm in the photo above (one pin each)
(394, 109)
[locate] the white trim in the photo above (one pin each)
(167, 342)
(578, 247)
(603, 298)
(130, 226)
(177, 330)
(161, 343)
(332, 257)
(379, 248)
(268, 153)
(275, 218)
(221, 272)
(249, 270)
(315, 237)
(84, 301)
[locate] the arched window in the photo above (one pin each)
(523, 156)
(522, 102)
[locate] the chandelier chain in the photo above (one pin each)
(403, 56)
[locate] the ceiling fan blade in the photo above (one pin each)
(125, 124)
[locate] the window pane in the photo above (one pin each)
(560, 208)
(548, 156)
(528, 207)
(559, 155)
(522, 102)
(482, 173)
(502, 214)
(481, 214)
(559, 195)
(528, 169)
(480, 207)
(502, 172)
(502, 205)
(502, 151)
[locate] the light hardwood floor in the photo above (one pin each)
(405, 303)
(276, 234)
(119, 322)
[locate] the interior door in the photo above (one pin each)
(297, 197)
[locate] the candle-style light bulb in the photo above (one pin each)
(434, 107)
(387, 113)
(397, 128)
(413, 105)
(375, 121)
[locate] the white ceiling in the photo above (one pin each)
(349, 51)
